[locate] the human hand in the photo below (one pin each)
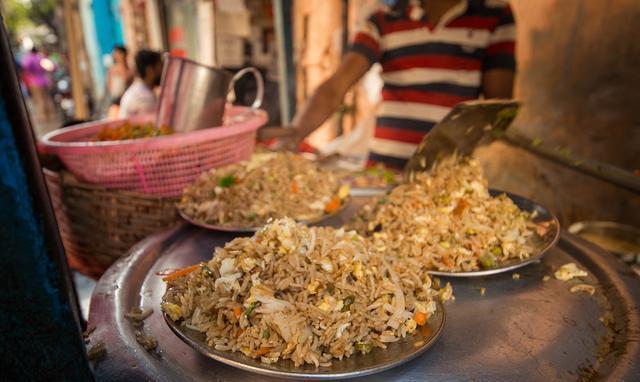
(287, 138)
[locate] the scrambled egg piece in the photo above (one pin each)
(357, 271)
(326, 265)
(173, 310)
(569, 271)
(313, 287)
(589, 289)
(411, 325)
(248, 263)
(425, 307)
(330, 304)
(446, 293)
(343, 192)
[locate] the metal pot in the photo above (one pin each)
(193, 96)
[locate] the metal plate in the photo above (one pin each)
(355, 366)
(520, 330)
(368, 191)
(229, 228)
(541, 244)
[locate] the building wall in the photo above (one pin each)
(317, 33)
(579, 80)
(92, 48)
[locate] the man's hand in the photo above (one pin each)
(287, 138)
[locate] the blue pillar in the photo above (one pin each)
(40, 336)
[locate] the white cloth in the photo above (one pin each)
(138, 99)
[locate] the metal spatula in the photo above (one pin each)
(475, 123)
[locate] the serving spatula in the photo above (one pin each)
(475, 123)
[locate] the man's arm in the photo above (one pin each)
(498, 83)
(330, 94)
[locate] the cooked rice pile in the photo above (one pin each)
(447, 219)
(270, 185)
(300, 293)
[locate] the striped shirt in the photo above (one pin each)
(427, 69)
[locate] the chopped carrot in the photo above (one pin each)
(425, 330)
(237, 311)
(420, 318)
(262, 351)
(460, 207)
(333, 205)
(448, 262)
(294, 187)
(236, 180)
(181, 272)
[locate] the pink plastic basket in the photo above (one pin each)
(162, 165)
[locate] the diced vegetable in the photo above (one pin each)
(565, 151)
(497, 251)
(382, 201)
(207, 271)
(227, 181)
(330, 288)
(389, 177)
(262, 351)
(363, 347)
(237, 311)
(343, 191)
(333, 205)
(251, 308)
(266, 333)
(347, 303)
(420, 318)
(487, 261)
(442, 199)
(294, 187)
(460, 207)
(181, 272)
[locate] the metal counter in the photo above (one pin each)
(524, 329)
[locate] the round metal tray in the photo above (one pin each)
(229, 228)
(357, 365)
(520, 330)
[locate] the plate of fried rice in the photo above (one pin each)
(452, 223)
(243, 197)
(306, 302)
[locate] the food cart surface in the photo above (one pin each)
(526, 327)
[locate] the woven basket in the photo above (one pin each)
(98, 226)
(161, 165)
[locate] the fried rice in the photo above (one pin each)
(308, 294)
(269, 186)
(448, 220)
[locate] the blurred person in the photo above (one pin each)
(434, 54)
(119, 77)
(140, 97)
(36, 78)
